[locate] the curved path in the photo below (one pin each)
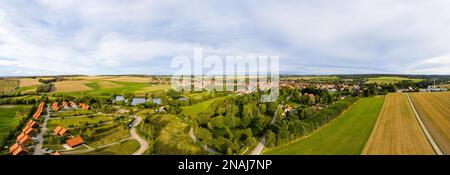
(134, 135)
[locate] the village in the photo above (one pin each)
(31, 137)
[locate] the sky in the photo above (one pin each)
(97, 37)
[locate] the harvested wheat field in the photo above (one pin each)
(397, 131)
(71, 86)
(434, 110)
(129, 79)
(24, 82)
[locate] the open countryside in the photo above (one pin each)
(143, 115)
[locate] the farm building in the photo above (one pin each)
(74, 142)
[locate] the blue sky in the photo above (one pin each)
(45, 37)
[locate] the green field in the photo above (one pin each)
(100, 89)
(78, 120)
(387, 80)
(195, 109)
(124, 148)
(347, 135)
(10, 117)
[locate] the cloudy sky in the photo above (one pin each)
(44, 37)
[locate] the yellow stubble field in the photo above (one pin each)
(434, 110)
(397, 131)
(71, 86)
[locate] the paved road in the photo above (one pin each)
(38, 148)
(134, 135)
(258, 149)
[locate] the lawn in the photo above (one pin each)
(387, 80)
(346, 135)
(124, 148)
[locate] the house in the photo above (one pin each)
(25, 139)
(63, 131)
(29, 131)
(20, 136)
(65, 105)
(31, 124)
(59, 130)
(13, 147)
(20, 150)
(84, 106)
(74, 142)
(73, 104)
(55, 106)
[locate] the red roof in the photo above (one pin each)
(20, 150)
(75, 141)
(24, 139)
(14, 147)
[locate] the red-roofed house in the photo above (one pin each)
(74, 142)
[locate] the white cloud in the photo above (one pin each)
(99, 37)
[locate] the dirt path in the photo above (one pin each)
(262, 142)
(134, 135)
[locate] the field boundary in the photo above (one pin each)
(424, 129)
(364, 151)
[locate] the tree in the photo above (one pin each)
(217, 122)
